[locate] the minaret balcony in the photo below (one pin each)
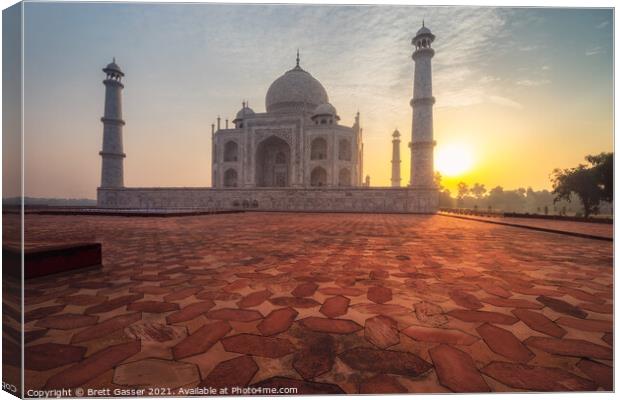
(423, 145)
(423, 51)
(113, 155)
(422, 101)
(113, 82)
(113, 121)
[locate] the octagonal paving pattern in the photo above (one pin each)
(325, 303)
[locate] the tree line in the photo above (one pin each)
(584, 190)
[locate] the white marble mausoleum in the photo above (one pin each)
(297, 142)
(295, 156)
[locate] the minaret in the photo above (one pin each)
(360, 149)
(112, 151)
(422, 143)
(396, 159)
(213, 160)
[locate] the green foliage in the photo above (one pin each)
(591, 183)
(603, 166)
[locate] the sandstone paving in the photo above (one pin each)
(330, 325)
(503, 342)
(325, 303)
(335, 306)
(147, 374)
(439, 335)
(381, 331)
(258, 345)
(537, 378)
(106, 327)
(47, 356)
(277, 321)
(381, 384)
(457, 370)
(316, 357)
(237, 372)
(539, 323)
(600, 373)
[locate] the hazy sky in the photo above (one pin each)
(525, 90)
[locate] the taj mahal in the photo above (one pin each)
(295, 156)
(297, 142)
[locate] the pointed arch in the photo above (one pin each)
(318, 177)
(230, 178)
(318, 149)
(231, 151)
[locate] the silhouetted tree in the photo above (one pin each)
(463, 189)
(582, 181)
(437, 179)
(497, 190)
(478, 190)
(603, 168)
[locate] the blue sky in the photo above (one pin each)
(527, 90)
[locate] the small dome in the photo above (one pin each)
(113, 68)
(244, 113)
(295, 91)
(325, 109)
(396, 133)
(423, 31)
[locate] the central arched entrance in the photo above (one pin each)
(273, 160)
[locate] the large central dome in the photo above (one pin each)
(295, 91)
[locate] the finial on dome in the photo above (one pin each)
(243, 104)
(114, 60)
(422, 22)
(297, 58)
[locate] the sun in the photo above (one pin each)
(454, 159)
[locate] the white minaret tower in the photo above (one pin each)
(396, 159)
(422, 143)
(112, 151)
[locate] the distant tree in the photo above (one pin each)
(437, 180)
(603, 168)
(462, 189)
(582, 181)
(478, 190)
(495, 197)
(530, 192)
(445, 200)
(497, 190)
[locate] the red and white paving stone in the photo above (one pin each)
(324, 303)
